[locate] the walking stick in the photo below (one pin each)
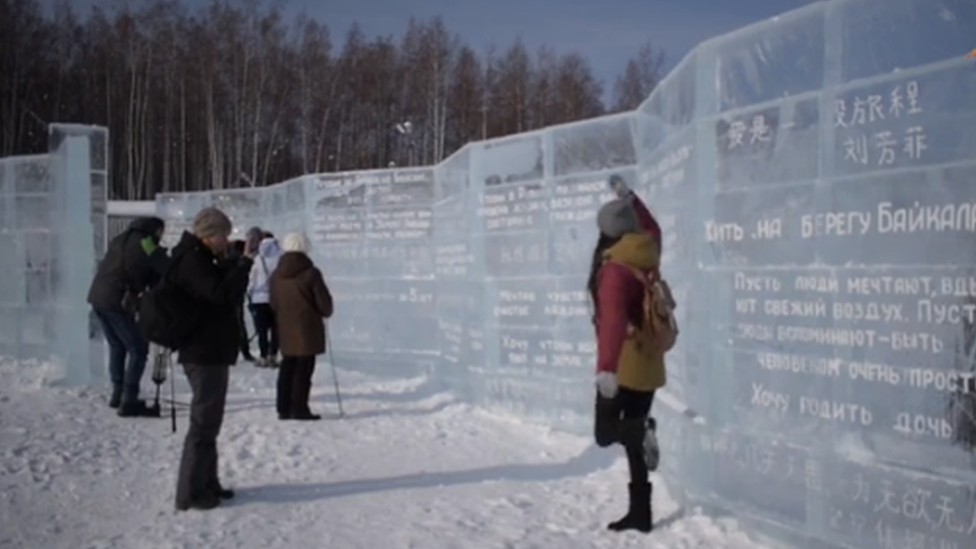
(335, 375)
(172, 392)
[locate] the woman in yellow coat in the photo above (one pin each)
(627, 376)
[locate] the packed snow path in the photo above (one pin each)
(407, 468)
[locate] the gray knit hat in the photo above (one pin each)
(617, 218)
(211, 222)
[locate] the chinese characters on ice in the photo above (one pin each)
(757, 131)
(895, 512)
(884, 147)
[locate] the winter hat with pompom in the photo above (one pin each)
(295, 242)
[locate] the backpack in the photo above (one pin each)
(658, 331)
(167, 315)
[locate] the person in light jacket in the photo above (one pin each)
(301, 301)
(268, 253)
(626, 376)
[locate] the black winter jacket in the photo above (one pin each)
(216, 288)
(127, 267)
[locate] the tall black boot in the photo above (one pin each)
(639, 516)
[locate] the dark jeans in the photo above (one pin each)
(623, 419)
(294, 385)
(198, 466)
(264, 326)
(124, 340)
(245, 340)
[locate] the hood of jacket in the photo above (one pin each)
(293, 265)
(148, 226)
(269, 248)
(635, 250)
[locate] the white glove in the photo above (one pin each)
(619, 185)
(606, 384)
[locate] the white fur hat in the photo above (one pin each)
(295, 242)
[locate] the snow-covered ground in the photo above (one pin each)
(407, 468)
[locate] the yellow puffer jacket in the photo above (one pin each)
(619, 299)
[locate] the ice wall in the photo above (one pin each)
(816, 185)
(52, 220)
(814, 177)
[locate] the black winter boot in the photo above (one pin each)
(221, 492)
(116, 399)
(203, 503)
(138, 408)
(639, 516)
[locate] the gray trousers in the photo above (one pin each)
(198, 466)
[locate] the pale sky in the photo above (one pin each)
(607, 32)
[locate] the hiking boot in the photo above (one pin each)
(638, 515)
(138, 408)
(203, 503)
(306, 416)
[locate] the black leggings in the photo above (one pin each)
(623, 420)
(265, 328)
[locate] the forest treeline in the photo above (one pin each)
(237, 94)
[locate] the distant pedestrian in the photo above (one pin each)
(266, 261)
(301, 301)
(252, 239)
(237, 249)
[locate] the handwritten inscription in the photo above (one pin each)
(873, 508)
(757, 130)
(546, 352)
(896, 319)
(453, 260)
(398, 224)
(882, 147)
(516, 208)
(671, 170)
(337, 226)
(577, 201)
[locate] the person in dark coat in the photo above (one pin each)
(237, 251)
(133, 262)
(300, 300)
(214, 286)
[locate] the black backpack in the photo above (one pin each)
(167, 315)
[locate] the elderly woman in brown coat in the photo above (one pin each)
(301, 301)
